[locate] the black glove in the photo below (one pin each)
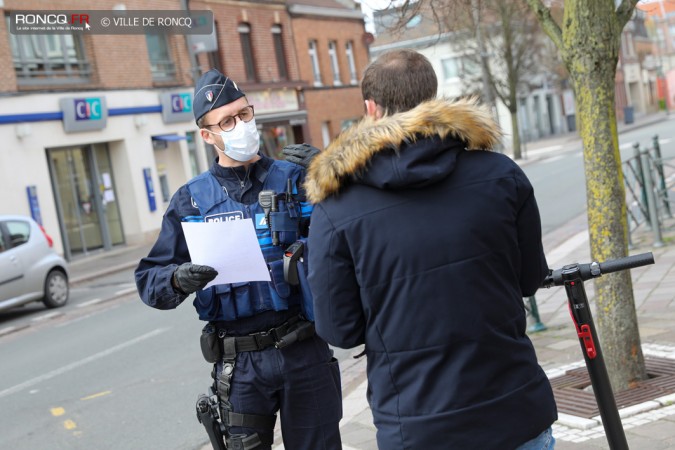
(300, 154)
(189, 278)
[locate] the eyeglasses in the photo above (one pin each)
(228, 123)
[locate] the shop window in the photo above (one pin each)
(332, 54)
(314, 58)
(164, 186)
(274, 139)
(192, 152)
(162, 66)
(49, 59)
(349, 50)
(279, 52)
(244, 30)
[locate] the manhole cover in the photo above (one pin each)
(573, 397)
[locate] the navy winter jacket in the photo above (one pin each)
(423, 247)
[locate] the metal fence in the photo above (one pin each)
(648, 198)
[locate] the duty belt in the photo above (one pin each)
(293, 330)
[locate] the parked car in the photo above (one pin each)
(30, 269)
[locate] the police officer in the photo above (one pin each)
(266, 356)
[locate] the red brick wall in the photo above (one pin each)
(328, 103)
(260, 17)
(116, 61)
(122, 61)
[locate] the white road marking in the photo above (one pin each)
(74, 365)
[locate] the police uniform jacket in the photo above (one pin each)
(422, 248)
(154, 272)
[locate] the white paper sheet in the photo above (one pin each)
(231, 247)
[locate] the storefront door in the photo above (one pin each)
(84, 190)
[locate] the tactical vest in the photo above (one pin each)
(238, 300)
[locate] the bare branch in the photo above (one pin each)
(624, 12)
(550, 27)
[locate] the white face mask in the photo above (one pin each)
(243, 142)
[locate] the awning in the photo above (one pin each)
(298, 116)
(168, 137)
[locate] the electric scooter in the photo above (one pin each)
(572, 276)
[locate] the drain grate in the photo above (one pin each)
(572, 399)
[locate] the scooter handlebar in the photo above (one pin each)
(595, 269)
(628, 262)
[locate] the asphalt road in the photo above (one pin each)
(559, 180)
(114, 375)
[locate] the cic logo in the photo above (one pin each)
(87, 108)
(181, 103)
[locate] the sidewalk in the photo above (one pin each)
(648, 426)
(543, 148)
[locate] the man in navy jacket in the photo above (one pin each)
(423, 244)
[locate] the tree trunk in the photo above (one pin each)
(590, 52)
(517, 154)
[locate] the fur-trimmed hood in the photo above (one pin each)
(409, 149)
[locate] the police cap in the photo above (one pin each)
(213, 90)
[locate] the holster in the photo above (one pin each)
(211, 344)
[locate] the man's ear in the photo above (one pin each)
(208, 137)
(373, 110)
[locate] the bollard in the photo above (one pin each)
(641, 181)
(534, 313)
(658, 162)
(651, 199)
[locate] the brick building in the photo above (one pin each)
(330, 41)
(98, 129)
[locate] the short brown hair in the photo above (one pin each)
(399, 80)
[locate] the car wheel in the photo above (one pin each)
(56, 289)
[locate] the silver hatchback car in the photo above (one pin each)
(30, 269)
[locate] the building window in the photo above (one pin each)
(660, 38)
(325, 133)
(451, 68)
(332, 54)
(244, 30)
(314, 57)
(279, 52)
(192, 153)
(162, 66)
(49, 59)
(459, 67)
(214, 57)
(349, 49)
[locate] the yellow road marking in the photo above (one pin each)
(69, 424)
(100, 394)
(58, 411)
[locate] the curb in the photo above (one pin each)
(103, 272)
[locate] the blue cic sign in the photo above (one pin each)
(181, 103)
(88, 109)
(176, 106)
(84, 113)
